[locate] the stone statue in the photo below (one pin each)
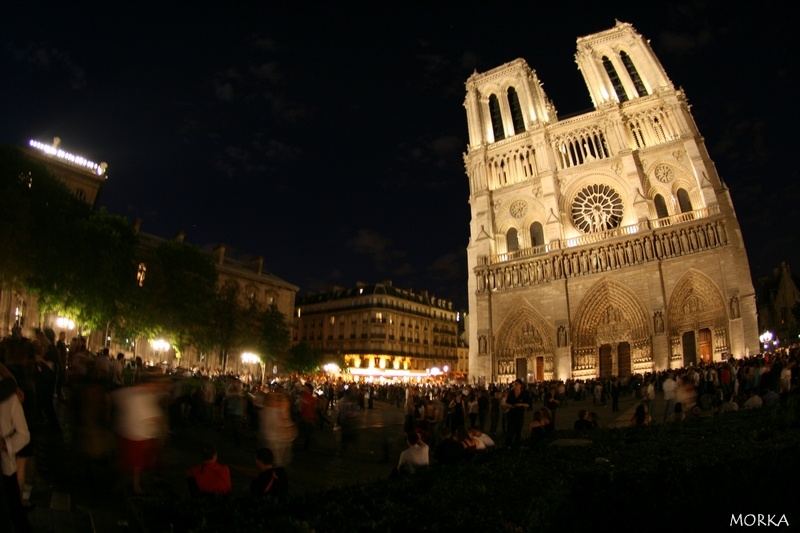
(658, 322)
(562, 336)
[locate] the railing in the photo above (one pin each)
(595, 238)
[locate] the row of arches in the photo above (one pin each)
(612, 330)
(535, 234)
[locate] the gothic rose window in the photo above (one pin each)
(597, 208)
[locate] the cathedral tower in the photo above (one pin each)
(605, 243)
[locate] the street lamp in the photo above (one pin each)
(161, 347)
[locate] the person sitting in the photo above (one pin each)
(537, 427)
(414, 457)
(480, 436)
(678, 415)
(449, 451)
(641, 417)
(209, 477)
(583, 422)
(271, 480)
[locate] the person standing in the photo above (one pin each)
(14, 435)
(669, 386)
(276, 430)
(48, 376)
(552, 402)
(518, 400)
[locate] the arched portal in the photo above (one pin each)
(697, 306)
(611, 332)
(524, 335)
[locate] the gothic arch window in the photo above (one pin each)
(683, 201)
(80, 194)
(615, 81)
(633, 73)
(512, 240)
(516, 111)
(537, 235)
(497, 118)
(661, 206)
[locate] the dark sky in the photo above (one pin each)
(329, 139)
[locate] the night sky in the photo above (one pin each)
(329, 139)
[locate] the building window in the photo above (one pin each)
(516, 111)
(537, 235)
(512, 241)
(683, 201)
(497, 118)
(661, 206)
(633, 73)
(615, 81)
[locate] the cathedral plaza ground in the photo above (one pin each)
(69, 498)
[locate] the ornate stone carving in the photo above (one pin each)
(597, 208)
(664, 173)
(518, 208)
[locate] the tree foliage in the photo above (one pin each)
(304, 359)
(78, 262)
(176, 295)
(274, 336)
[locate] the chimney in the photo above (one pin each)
(137, 225)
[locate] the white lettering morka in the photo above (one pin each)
(759, 520)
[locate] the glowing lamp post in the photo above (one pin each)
(161, 347)
(249, 358)
(766, 339)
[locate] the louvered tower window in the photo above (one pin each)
(615, 81)
(497, 118)
(516, 111)
(633, 73)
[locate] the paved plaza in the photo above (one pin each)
(71, 496)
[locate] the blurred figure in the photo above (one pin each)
(234, 409)
(47, 363)
(276, 430)
(14, 435)
(140, 426)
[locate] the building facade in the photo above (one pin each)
(85, 179)
(380, 330)
(604, 243)
(778, 296)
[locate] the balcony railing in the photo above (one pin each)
(594, 238)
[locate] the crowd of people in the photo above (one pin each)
(120, 412)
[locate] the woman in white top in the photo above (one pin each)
(14, 435)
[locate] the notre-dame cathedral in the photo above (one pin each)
(601, 244)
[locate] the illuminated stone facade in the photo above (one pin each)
(380, 330)
(82, 177)
(604, 243)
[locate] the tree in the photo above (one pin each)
(175, 297)
(78, 262)
(304, 359)
(274, 336)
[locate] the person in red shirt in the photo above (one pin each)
(209, 477)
